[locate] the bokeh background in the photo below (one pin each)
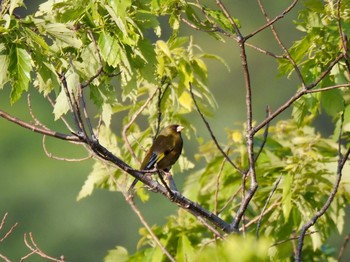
(40, 193)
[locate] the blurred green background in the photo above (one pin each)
(40, 193)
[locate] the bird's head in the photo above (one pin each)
(176, 128)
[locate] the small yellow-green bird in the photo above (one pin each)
(164, 152)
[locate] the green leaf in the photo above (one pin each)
(332, 101)
(62, 33)
(4, 64)
(303, 107)
(14, 4)
(185, 251)
(62, 106)
(119, 254)
(287, 195)
(19, 67)
(221, 19)
(164, 48)
(37, 39)
(110, 49)
(46, 78)
(90, 62)
(97, 175)
(106, 114)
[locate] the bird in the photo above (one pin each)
(164, 152)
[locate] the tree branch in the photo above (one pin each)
(212, 134)
(39, 130)
(341, 162)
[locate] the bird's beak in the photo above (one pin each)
(179, 129)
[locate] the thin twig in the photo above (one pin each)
(218, 184)
(50, 155)
(327, 88)
(147, 226)
(341, 162)
(212, 134)
(210, 227)
(5, 258)
(229, 17)
(266, 133)
(100, 69)
(38, 129)
(300, 93)
(161, 95)
(36, 121)
(132, 120)
(3, 220)
(274, 32)
(266, 203)
(343, 247)
(264, 51)
(256, 219)
(292, 238)
(62, 117)
(9, 231)
(72, 108)
(325, 72)
(36, 250)
(249, 136)
(343, 37)
(230, 200)
(271, 22)
(143, 221)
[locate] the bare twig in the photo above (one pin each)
(230, 200)
(270, 23)
(250, 135)
(210, 227)
(73, 109)
(327, 88)
(9, 231)
(264, 51)
(325, 72)
(343, 37)
(36, 250)
(100, 69)
(36, 121)
(143, 221)
(218, 184)
(266, 133)
(256, 219)
(341, 162)
(212, 134)
(38, 129)
(229, 17)
(82, 101)
(50, 155)
(62, 117)
(5, 258)
(264, 208)
(343, 247)
(300, 93)
(149, 229)
(132, 120)
(292, 238)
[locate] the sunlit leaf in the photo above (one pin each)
(117, 254)
(62, 106)
(19, 67)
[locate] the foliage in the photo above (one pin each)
(118, 54)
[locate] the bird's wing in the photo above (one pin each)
(152, 161)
